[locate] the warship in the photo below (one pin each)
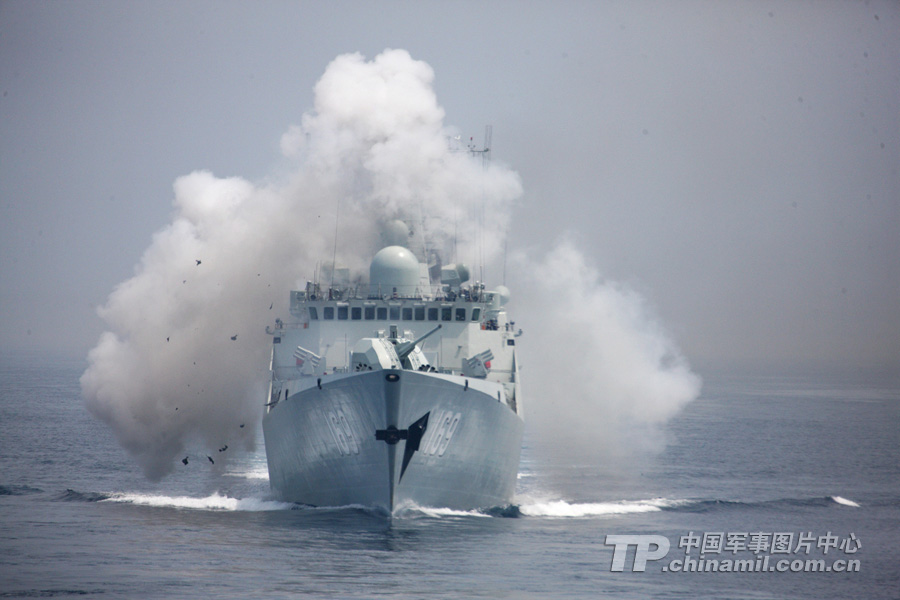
(402, 391)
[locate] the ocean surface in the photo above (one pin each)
(790, 486)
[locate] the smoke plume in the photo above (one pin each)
(184, 359)
(601, 375)
(185, 355)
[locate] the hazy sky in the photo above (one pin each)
(735, 162)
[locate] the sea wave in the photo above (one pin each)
(214, 502)
(18, 490)
(778, 504)
(71, 495)
(525, 507)
(414, 510)
(565, 509)
(562, 508)
(844, 501)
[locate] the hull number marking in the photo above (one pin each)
(342, 434)
(445, 426)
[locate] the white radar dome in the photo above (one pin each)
(394, 270)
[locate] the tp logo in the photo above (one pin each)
(642, 553)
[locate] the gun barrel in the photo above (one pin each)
(405, 348)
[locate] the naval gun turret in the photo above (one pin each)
(393, 353)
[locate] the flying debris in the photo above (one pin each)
(242, 425)
(224, 448)
(184, 460)
(211, 460)
(234, 337)
(239, 223)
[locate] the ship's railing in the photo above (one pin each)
(286, 372)
(315, 292)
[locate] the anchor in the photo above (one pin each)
(412, 435)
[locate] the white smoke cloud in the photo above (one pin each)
(167, 372)
(602, 376)
(185, 356)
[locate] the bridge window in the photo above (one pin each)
(446, 313)
(313, 313)
(356, 313)
(476, 314)
(329, 313)
(382, 313)
(420, 313)
(370, 313)
(407, 314)
(395, 313)
(343, 312)
(432, 314)
(460, 314)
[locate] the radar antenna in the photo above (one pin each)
(484, 151)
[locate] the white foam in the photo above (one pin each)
(215, 502)
(845, 501)
(412, 509)
(563, 509)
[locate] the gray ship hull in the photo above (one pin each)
(389, 438)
